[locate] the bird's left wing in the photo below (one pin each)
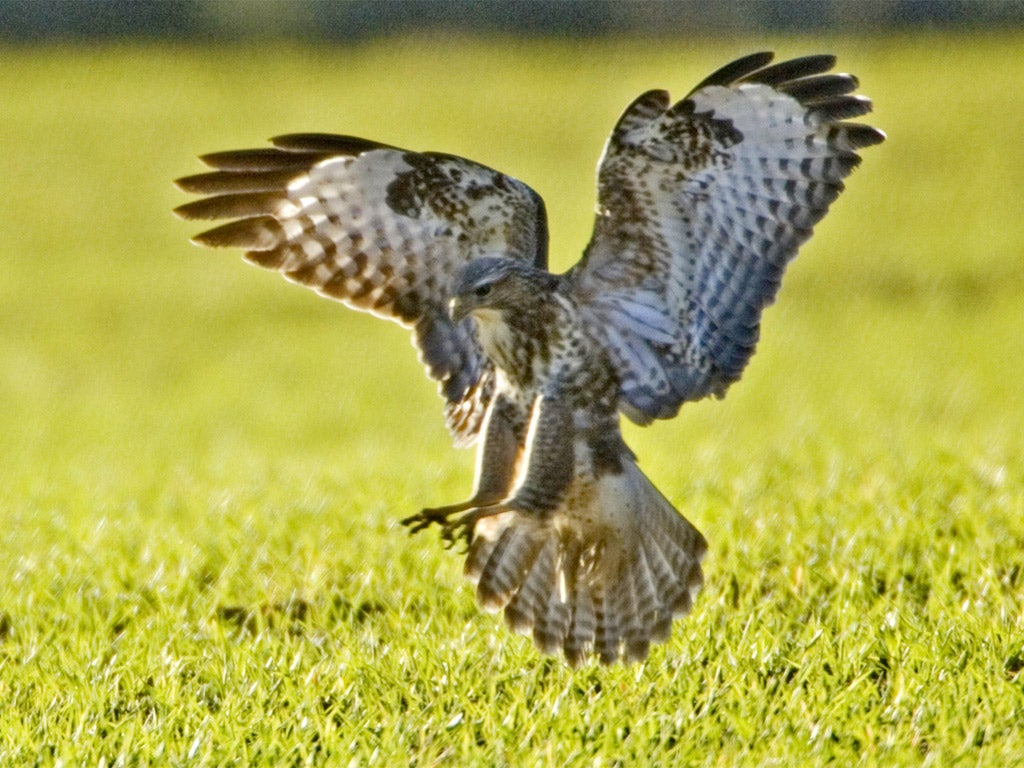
(381, 229)
(701, 204)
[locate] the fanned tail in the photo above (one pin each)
(604, 577)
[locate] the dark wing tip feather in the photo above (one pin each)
(809, 90)
(736, 70)
(224, 182)
(262, 159)
(792, 69)
(254, 234)
(231, 206)
(326, 143)
(840, 108)
(194, 182)
(857, 136)
(265, 168)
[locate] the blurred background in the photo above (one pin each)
(350, 20)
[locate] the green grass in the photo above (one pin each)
(203, 467)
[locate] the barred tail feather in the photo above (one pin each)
(608, 635)
(643, 610)
(665, 584)
(679, 557)
(485, 539)
(636, 637)
(580, 639)
(528, 604)
(553, 622)
(510, 560)
(605, 577)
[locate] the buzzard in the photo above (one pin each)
(701, 203)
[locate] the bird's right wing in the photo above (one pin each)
(380, 229)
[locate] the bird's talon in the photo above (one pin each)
(454, 530)
(424, 518)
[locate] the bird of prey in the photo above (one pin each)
(701, 203)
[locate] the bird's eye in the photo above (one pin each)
(482, 290)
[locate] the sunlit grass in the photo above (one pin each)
(204, 467)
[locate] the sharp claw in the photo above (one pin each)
(418, 522)
(456, 529)
(439, 515)
(415, 524)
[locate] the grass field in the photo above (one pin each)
(203, 467)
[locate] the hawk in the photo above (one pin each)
(701, 203)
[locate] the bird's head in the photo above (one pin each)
(491, 287)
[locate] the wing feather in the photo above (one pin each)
(380, 229)
(736, 70)
(811, 89)
(776, 75)
(702, 204)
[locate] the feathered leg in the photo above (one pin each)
(500, 449)
(548, 472)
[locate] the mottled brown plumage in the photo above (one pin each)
(701, 204)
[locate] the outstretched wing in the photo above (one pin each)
(381, 229)
(701, 205)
